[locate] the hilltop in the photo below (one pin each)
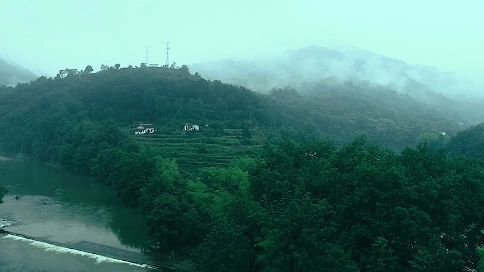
(12, 74)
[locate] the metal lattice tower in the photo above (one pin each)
(147, 55)
(167, 55)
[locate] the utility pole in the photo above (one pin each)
(167, 56)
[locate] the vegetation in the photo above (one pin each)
(469, 142)
(358, 208)
(170, 98)
(345, 110)
(212, 147)
(3, 190)
(283, 200)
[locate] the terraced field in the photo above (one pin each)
(209, 147)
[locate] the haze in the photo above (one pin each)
(50, 35)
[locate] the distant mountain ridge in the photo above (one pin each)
(297, 68)
(11, 74)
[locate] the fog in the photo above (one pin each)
(295, 68)
(46, 36)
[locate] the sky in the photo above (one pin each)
(47, 35)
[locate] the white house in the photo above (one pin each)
(190, 127)
(144, 129)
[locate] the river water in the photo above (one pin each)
(64, 222)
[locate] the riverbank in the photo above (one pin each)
(61, 212)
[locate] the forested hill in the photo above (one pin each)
(469, 142)
(169, 98)
(11, 74)
(299, 204)
(457, 99)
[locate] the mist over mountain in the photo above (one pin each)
(171, 97)
(11, 74)
(457, 98)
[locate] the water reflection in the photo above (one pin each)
(131, 233)
(67, 208)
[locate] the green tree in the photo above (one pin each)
(88, 69)
(174, 66)
(382, 256)
(469, 142)
(296, 235)
(227, 179)
(3, 191)
(234, 217)
(226, 248)
(394, 212)
(246, 134)
(480, 265)
(173, 221)
(130, 172)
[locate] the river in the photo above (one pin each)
(59, 221)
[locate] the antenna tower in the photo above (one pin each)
(147, 54)
(167, 56)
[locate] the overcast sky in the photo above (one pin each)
(49, 35)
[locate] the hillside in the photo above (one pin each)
(469, 142)
(343, 110)
(457, 99)
(54, 114)
(11, 74)
(170, 98)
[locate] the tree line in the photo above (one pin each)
(3, 191)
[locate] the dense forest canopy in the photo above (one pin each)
(469, 142)
(346, 109)
(298, 204)
(358, 208)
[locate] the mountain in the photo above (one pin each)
(335, 109)
(271, 186)
(295, 68)
(11, 74)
